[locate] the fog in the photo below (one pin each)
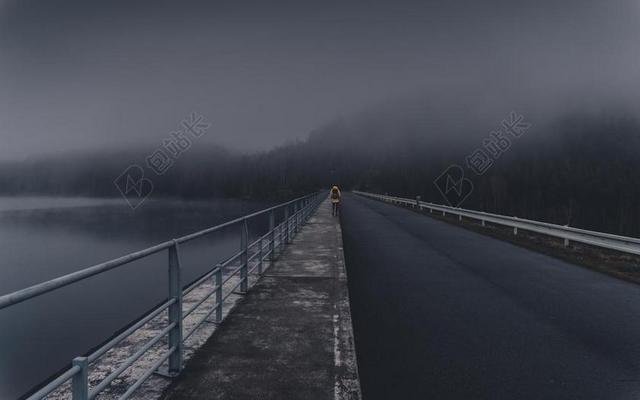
(89, 75)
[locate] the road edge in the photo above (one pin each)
(347, 378)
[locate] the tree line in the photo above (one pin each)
(583, 170)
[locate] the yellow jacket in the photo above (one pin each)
(335, 199)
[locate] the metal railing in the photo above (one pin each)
(609, 241)
(296, 212)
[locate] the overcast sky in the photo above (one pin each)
(86, 74)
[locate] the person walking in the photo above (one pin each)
(334, 195)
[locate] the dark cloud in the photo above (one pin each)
(84, 74)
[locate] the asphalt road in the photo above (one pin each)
(440, 312)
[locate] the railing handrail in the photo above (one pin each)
(609, 241)
(277, 236)
(65, 280)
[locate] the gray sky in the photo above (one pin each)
(86, 74)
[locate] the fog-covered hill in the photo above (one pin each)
(581, 169)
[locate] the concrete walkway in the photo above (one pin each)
(291, 337)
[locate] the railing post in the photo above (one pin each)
(484, 223)
(175, 310)
(281, 235)
(295, 217)
(272, 235)
(418, 202)
(286, 223)
(260, 257)
(300, 214)
(218, 284)
(80, 381)
(244, 257)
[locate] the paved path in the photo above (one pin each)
(440, 312)
(291, 337)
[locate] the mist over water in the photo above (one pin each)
(379, 96)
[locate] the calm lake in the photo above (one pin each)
(43, 238)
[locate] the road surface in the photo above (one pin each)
(440, 312)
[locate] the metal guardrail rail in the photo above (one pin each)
(296, 212)
(623, 244)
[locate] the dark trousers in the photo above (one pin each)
(334, 209)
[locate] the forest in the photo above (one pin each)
(580, 170)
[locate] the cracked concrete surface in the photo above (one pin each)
(291, 337)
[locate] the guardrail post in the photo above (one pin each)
(219, 294)
(302, 211)
(443, 213)
(301, 214)
(244, 257)
(260, 257)
(515, 230)
(418, 202)
(566, 242)
(460, 217)
(272, 235)
(80, 381)
(286, 224)
(175, 310)
(484, 223)
(281, 236)
(295, 217)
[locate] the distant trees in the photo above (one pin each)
(583, 170)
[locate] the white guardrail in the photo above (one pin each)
(623, 244)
